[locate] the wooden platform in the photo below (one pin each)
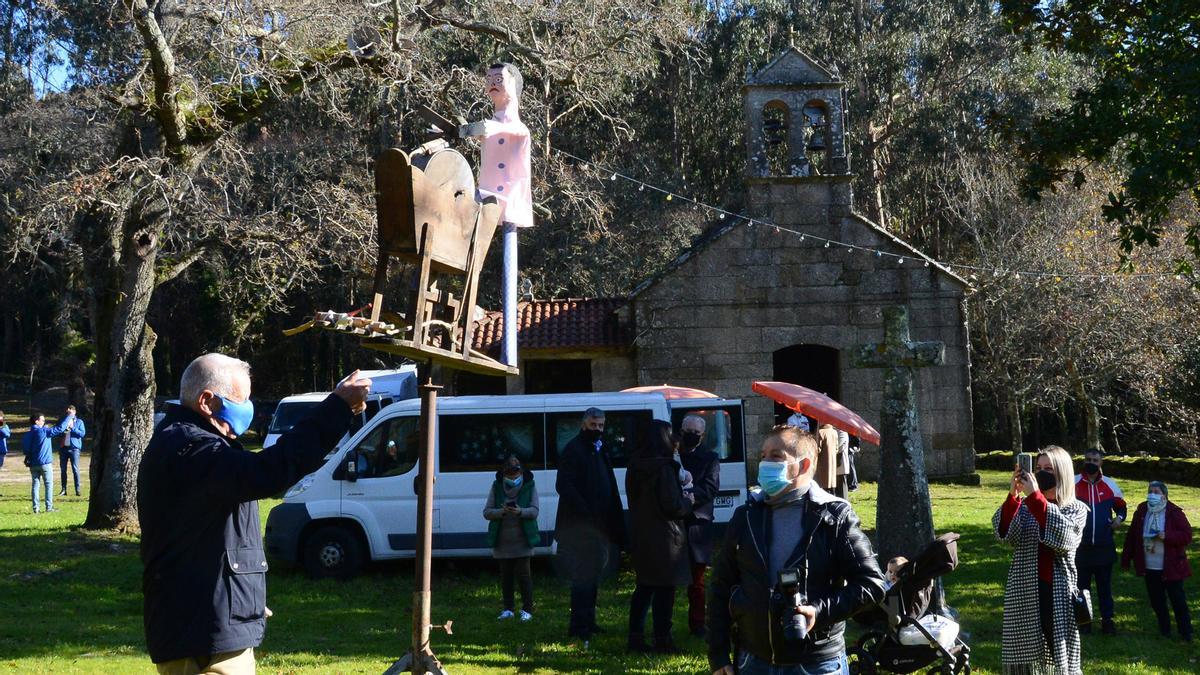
(474, 363)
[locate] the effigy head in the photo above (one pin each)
(503, 84)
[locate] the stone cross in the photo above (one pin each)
(904, 517)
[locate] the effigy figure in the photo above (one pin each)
(504, 172)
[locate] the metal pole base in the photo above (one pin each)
(428, 663)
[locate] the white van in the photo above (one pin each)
(361, 504)
(387, 386)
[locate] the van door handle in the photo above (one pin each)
(355, 494)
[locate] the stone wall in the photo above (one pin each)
(715, 321)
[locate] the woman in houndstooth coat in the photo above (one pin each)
(1040, 635)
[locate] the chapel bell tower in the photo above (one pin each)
(795, 119)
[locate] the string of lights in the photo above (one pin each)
(914, 257)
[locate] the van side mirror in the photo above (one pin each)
(352, 466)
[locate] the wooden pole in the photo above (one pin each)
(424, 553)
(420, 659)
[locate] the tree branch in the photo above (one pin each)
(169, 273)
(162, 64)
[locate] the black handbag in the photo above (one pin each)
(1082, 602)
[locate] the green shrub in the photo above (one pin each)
(1170, 470)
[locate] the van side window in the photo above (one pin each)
(480, 442)
(623, 431)
(374, 405)
(389, 450)
(722, 431)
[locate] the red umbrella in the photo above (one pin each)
(818, 406)
(670, 392)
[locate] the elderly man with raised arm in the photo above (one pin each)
(204, 582)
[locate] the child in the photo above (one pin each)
(511, 511)
(893, 569)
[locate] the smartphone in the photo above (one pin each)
(1025, 461)
(512, 503)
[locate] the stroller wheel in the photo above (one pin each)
(860, 660)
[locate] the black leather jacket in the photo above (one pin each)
(838, 573)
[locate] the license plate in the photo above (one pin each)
(723, 501)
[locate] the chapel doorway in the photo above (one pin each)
(817, 367)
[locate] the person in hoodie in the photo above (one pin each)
(792, 525)
(1096, 553)
(512, 511)
(1156, 544)
(658, 544)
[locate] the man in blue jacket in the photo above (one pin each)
(204, 583)
(68, 450)
(39, 456)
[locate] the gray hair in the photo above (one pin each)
(593, 413)
(215, 372)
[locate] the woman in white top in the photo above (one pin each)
(1156, 544)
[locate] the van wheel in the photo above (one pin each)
(332, 552)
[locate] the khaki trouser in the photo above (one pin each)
(225, 663)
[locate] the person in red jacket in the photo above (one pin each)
(1156, 544)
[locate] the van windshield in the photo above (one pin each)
(289, 414)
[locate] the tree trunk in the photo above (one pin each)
(1091, 414)
(121, 279)
(874, 177)
(1013, 411)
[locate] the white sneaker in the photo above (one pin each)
(506, 614)
(526, 616)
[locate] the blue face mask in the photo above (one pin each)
(513, 482)
(237, 415)
(772, 477)
(1154, 500)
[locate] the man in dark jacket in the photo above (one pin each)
(590, 524)
(204, 582)
(705, 467)
(658, 511)
(790, 525)
(1097, 552)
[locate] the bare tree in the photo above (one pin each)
(1054, 319)
(173, 179)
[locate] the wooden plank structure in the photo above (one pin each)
(428, 216)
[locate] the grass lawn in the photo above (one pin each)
(72, 603)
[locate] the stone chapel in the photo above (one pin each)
(746, 303)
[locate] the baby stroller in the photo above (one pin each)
(914, 639)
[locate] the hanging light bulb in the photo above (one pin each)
(668, 197)
(827, 244)
(901, 262)
(641, 187)
(721, 216)
(613, 177)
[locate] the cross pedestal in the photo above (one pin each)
(904, 517)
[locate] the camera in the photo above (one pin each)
(788, 599)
